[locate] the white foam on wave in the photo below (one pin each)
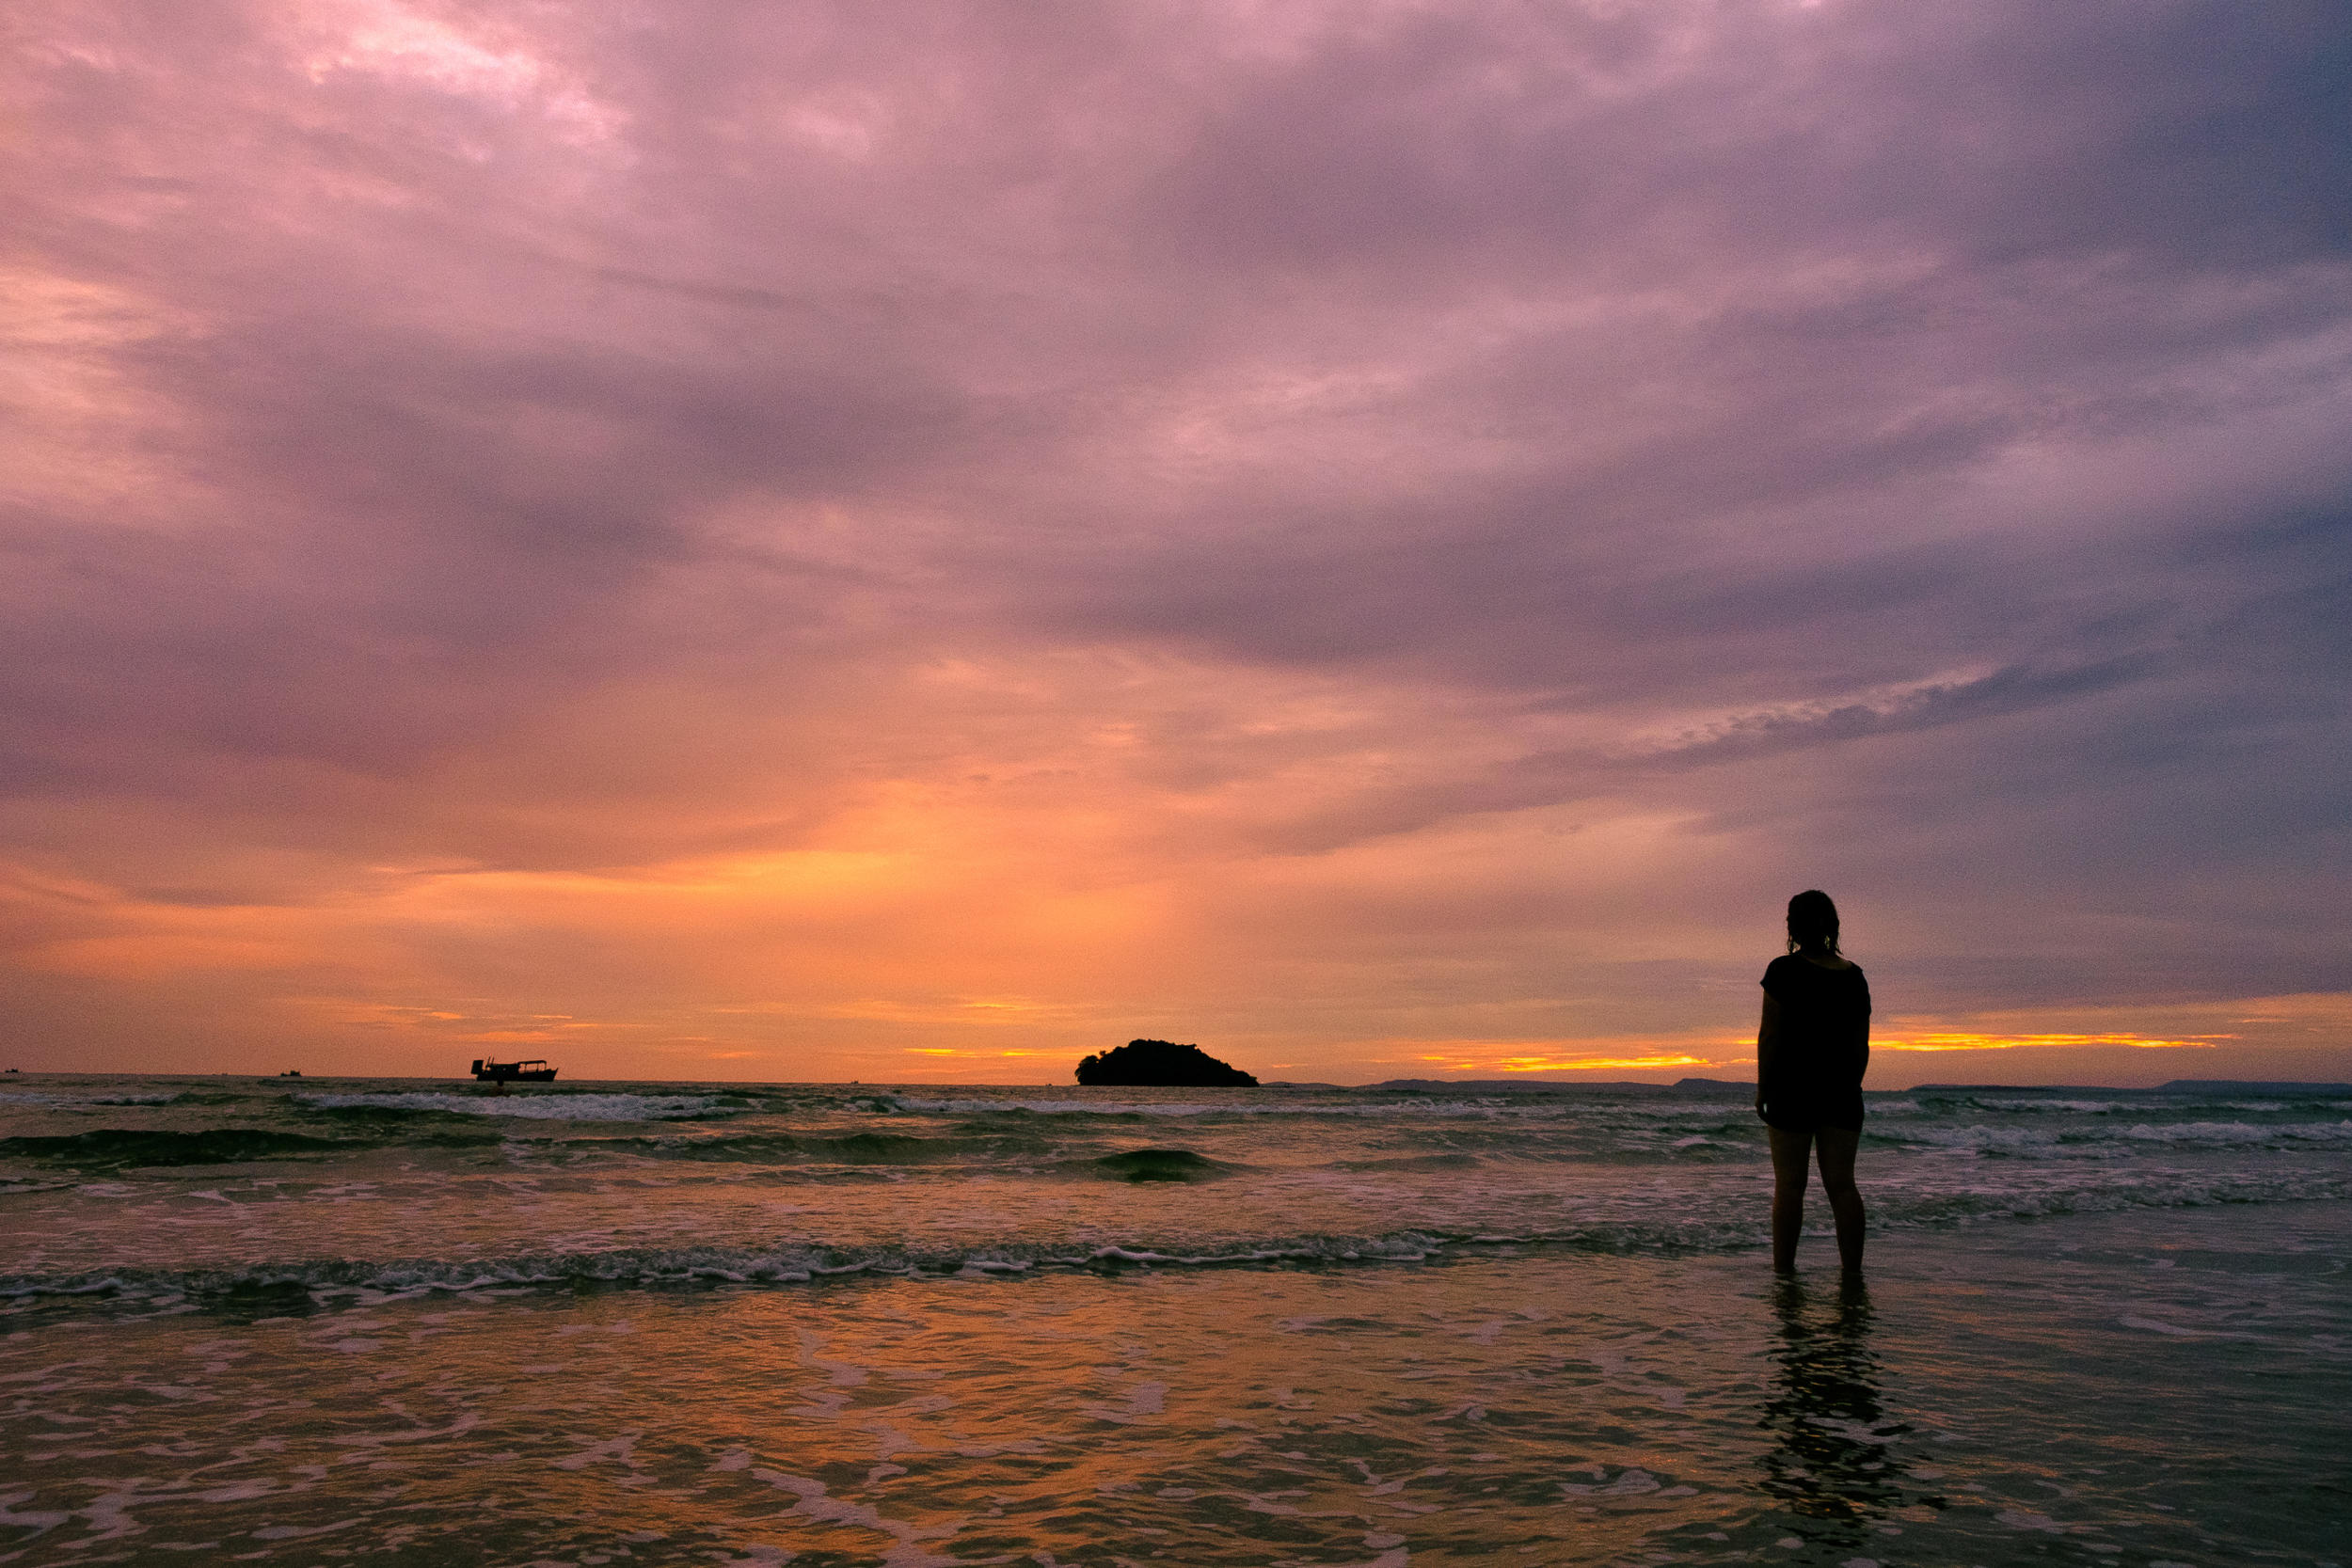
(1978, 1137)
(2235, 1133)
(2110, 1141)
(2100, 1188)
(87, 1099)
(1710, 1217)
(535, 1107)
(368, 1280)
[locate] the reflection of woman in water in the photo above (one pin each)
(1810, 1054)
(1837, 1465)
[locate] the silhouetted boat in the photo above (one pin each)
(514, 1072)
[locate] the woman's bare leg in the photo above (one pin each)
(1788, 1176)
(1838, 1146)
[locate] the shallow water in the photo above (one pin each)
(934, 1328)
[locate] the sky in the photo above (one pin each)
(912, 542)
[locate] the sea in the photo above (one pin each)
(315, 1320)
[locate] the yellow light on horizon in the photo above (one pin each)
(1959, 1041)
(1480, 1056)
(1586, 1064)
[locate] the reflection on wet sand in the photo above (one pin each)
(1834, 1464)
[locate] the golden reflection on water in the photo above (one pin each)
(1537, 1408)
(1552, 1409)
(1553, 1413)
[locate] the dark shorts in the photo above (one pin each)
(1810, 1112)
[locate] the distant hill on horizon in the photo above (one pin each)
(1541, 1085)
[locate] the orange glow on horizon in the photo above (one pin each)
(982, 1054)
(839, 965)
(1587, 1064)
(1961, 1041)
(1521, 1056)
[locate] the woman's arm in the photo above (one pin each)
(1766, 1045)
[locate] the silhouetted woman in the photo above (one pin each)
(1810, 1054)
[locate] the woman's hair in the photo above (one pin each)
(1812, 923)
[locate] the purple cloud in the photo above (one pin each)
(1214, 464)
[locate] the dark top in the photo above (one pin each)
(1819, 1012)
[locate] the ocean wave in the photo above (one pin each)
(544, 1107)
(1928, 1209)
(1972, 1135)
(1158, 1165)
(2111, 1140)
(326, 1279)
(1454, 1160)
(2232, 1134)
(1029, 1155)
(348, 1280)
(339, 1281)
(114, 1146)
(72, 1099)
(782, 1148)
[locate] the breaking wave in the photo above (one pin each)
(326, 1279)
(116, 1147)
(2110, 1140)
(330, 1280)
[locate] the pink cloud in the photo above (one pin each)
(1326, 527)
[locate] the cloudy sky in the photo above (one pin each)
(910, 541)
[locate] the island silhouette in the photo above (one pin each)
(1161, 1064)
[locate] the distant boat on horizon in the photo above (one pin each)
(514, 1072)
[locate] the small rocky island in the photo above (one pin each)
(1161, 1065)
